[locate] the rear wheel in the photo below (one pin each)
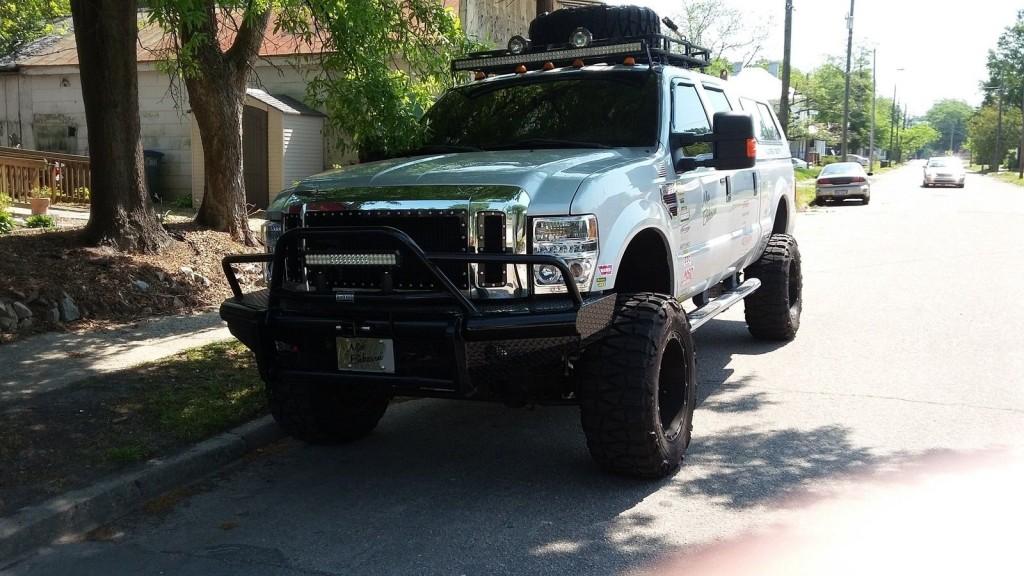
(638, 388)
(321, 413)
(773, 311)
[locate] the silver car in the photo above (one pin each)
(944, 171)
(841, 181)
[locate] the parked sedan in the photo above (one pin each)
(798, 163)
(944, 171)
(841, 181)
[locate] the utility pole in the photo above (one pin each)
(892, 119)
(999, 133)
(874, 102)
(787, 49)
(846, 98)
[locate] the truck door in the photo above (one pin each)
(702, 198)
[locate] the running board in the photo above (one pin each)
(704, 314)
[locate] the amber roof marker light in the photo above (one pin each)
(521, 69)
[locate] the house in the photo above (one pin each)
(41, 102)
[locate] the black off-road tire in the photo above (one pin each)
(638, 388)
(602, 21)
(326, 413)
(773, 311)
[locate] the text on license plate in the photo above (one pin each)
(366, 355)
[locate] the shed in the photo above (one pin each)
(282, 142)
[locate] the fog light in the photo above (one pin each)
(581, 38)
(548, 275)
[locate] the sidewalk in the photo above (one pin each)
(54, 360)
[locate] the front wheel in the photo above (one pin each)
(773, 311)
(321, 413)
(638, 388)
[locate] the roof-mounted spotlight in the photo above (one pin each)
(581, 38)
(518, 44)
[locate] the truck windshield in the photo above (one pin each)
(593, 110)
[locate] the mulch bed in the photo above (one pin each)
(38, 268)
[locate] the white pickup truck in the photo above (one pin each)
(543, 246)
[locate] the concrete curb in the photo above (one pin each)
(87, 508)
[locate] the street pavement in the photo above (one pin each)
(907, 366)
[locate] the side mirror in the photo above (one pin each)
(871, 173)
(732, 141)
(735, 146)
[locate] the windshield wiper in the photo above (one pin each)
(442, 148)
(549, 143)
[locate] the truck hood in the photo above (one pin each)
(549, 178)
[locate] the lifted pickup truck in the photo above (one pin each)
(540, 247)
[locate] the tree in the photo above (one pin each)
(824, 87)
(383, 61)
(981, 133)
(723, 30)
(215, 79)
(25, 20)
(916, 138)
(1006, 69)
(950, 118)
(120, 213)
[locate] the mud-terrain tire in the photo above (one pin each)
(602, 21)
(638, 388)
(773, 311)
(326, 413)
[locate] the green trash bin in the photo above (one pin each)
(152, 160)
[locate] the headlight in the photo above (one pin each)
(271, 232)
(572, 238)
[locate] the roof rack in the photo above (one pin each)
(650, 49)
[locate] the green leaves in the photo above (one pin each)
(23, 21)
(385, 63)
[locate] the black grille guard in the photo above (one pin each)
(292, 237)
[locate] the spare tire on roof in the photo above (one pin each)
(604, 22)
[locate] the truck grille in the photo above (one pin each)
(432, 230)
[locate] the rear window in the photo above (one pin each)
(841, 168)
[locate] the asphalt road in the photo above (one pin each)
(908, 357)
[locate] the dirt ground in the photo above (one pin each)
(38, 268)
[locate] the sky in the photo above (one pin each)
(941, 46)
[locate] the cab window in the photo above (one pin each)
(688, 116)
(717, 99)
(769, 131)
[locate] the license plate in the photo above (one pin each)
(839, 191)
(366, 355)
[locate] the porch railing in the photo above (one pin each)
(28, 173)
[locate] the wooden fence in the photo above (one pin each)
(24, 173)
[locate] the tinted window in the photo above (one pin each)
(842, 168)
(717, 99)
(769, 132)
(537, 112)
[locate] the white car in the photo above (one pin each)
(858, 159)
(944, 171)
(840, 181)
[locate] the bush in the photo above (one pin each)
(83, 193)
(40, 221)
(183, 202)
(826, 160)
(41, 192)
(5, 201)
(6, 222)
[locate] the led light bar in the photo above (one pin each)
(341, 259)
(512, 60)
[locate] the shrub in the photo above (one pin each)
(826, 160)
(6, 222)
(183, 202)
(41, 192)
(83, 193)
(40, 221)
(5, 201)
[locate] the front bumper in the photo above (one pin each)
(445, 344)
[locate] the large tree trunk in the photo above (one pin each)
(216, 93)
(218, 112)
(120, 212)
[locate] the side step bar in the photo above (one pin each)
(704, 314)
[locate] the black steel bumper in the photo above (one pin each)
(445, 344)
